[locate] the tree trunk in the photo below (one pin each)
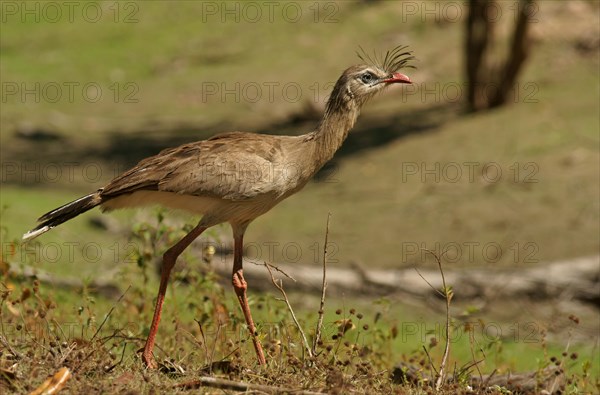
(490, 86)
(480, 28)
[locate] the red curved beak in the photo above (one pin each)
(398, 78)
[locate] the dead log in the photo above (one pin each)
(225, 384)
(577, 279)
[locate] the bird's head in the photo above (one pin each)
(361, 82)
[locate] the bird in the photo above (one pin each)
(237, 176)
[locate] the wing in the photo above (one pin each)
(233, 166)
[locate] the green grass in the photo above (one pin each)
(98, 338)
(543, 208)
(543, 148)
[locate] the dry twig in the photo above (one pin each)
(109, 313)
(276, 268)
(100, 327)
(203, 341)
(279, 286)
(447, 294)
(323, 291)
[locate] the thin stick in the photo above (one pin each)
(109, 369)
(203, 341)
(4, 341)
(214, 346)
(428, 283)
(98, 331)
(279, 286)
(276, 268)
(3, 337)
(471, 341)
(323, 291)
(65, 355)
(447, 295)
(487, 381)
(109, 313)
(431, 365)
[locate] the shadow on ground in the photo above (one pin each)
(126, 148)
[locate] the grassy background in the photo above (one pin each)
(543, 208)
(545, 144)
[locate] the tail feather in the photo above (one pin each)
(63, 214)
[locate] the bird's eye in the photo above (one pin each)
(367, 78)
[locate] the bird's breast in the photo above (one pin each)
(222, 210)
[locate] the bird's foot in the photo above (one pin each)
(149, 361)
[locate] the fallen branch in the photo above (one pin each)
(576, 279)
(216, 382)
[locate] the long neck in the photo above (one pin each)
(337, 121)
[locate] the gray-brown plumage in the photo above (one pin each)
(236, 177)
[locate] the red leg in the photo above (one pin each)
(240, 286)
(169, 259)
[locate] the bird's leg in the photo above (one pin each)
(240, 286)
(169, 259)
